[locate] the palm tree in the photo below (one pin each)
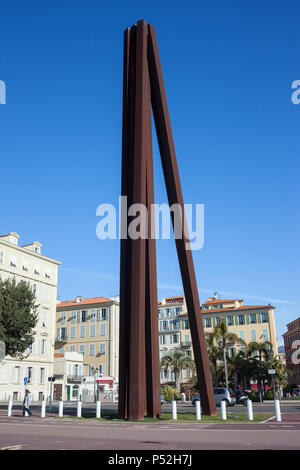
(225, 339)
(260, 352)
(214, 354)
(177, 361)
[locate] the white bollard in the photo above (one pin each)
(26, 413)
(43, 409)
(61, 409)
(198, 409)
(9, 407)
(277, 410)
(174, 409)
(98, 409)
(223, 409)
(79, 409)
(250, 410)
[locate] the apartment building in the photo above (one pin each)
(90, 326)
(250, 323)
(68, 374)
(292, 352)
(28, 264)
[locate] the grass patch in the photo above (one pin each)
(182, 417)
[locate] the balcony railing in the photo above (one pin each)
(75, 378)
(61, 339)
(186, 344)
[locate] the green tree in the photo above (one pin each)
(260, 353)
(214, 354)
(18, 316)
(177, 361)
(225, 339)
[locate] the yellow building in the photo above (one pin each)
(250, 323)
(90, 326)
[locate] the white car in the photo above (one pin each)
(220, 394)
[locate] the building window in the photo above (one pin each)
(186, 324)
(36, 269)
(47, 274)
(72, 332)
(75, 391)
(253, 335)
(92, 330)
(102, 349)
(61, 350)
(264, 317)
(84, 316)
(1, 256)
(45, 319)
(13, 261)
(25, 266)
(230, 320)
(72, 348)
(162, 339)
(207, 322)
(174, 339)
(93, 314)
(102, 369)
(252, 318)
(92, 350)
(42, 375)
(62, 317)
(102, 314)
(103, 329)
(82, 331)
(242, 335)
(82, 349)
(265, 334)
(73, 317)
(241, 319)
(46, 294)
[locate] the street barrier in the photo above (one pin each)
(9, 407)
(98, 409)
(198, 409)
(250, 410)
(43, 409)
(277, 410)
(174, 409)
(61, 409)
(223, 409)
(79, 409)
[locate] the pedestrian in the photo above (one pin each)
(182, 395)
(26, 403)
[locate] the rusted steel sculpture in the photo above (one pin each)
(139, 368)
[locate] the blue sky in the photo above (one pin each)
(228, 69)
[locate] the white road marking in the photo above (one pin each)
(15, 447)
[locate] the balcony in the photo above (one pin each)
(186, 344)
(75, 379)
(61, 339)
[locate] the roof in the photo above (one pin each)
(232, 309)
(86, 301)
(221, 301)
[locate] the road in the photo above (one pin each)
(35, 433)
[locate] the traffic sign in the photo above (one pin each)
(25, 380)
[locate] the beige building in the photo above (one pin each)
(90, 326)
(68, 374)
(250, 323)
(28, 264)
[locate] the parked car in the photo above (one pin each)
(220, 394)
